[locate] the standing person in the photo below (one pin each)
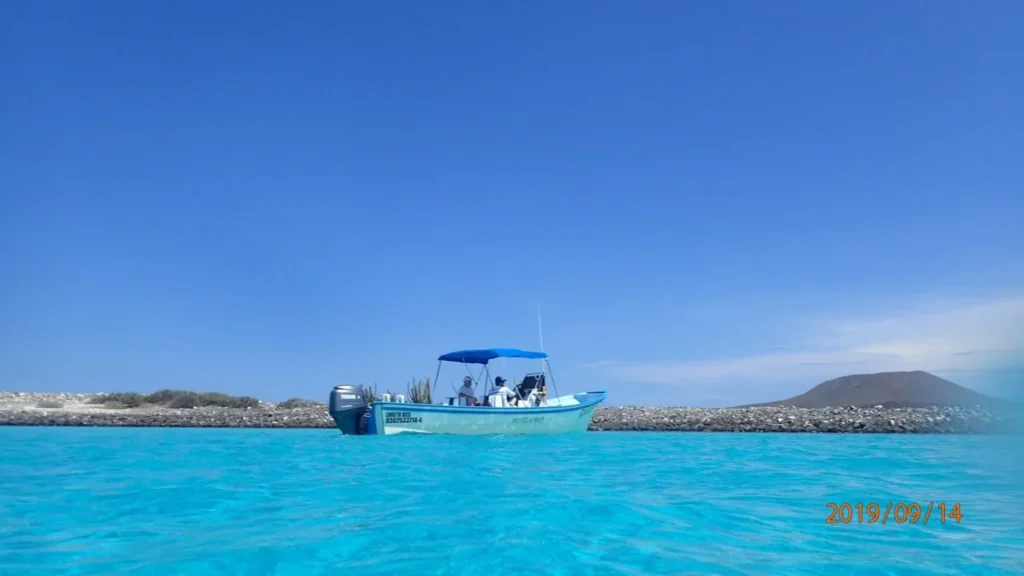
(466, 394)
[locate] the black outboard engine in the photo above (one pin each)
(348, 407)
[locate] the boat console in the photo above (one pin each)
(532, 389)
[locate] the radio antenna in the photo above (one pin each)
(540, 333)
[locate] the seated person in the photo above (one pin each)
(466, 395)
(501, 390)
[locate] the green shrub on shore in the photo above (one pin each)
(419, 392)
(297, 403)
(226, 401)
(123, 399)
(165, 396)
(184, 400)
(175, 399)
(371, 394)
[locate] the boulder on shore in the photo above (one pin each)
(39, 409)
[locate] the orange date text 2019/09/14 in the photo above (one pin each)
(893, 513)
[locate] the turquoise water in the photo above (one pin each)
(178, 501)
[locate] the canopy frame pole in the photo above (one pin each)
(483, 389)
(475, 381)
(487, 382)
(557, 395)
(437, 376)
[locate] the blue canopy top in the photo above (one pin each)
(486, 355)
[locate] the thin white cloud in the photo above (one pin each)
(938, 337)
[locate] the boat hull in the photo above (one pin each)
(405, 418)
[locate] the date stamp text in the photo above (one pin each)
(893, 512)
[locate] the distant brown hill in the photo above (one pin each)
(888, 389)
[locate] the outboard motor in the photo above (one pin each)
(348, 407)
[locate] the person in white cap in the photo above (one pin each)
(466, 395)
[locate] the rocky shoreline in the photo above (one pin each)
(876, 420)
(41, 409)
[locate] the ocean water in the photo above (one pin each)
(311, 502)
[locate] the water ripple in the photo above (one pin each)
(283, 502)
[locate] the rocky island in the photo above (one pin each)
(895, 402)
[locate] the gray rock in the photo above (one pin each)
(22, 409)
(951, 420)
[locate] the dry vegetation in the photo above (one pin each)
(175, 399)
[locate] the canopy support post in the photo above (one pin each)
(557, 395)
(473, 380)
(436, 376)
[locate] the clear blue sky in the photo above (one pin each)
(713, 202)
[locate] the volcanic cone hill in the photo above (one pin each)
(915, 389)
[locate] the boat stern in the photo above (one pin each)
(350, 409)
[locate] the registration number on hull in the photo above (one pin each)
(401, 418)
(527, 419)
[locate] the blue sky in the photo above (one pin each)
(714, 203)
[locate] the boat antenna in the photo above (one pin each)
(540, 333)
(545, 366)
